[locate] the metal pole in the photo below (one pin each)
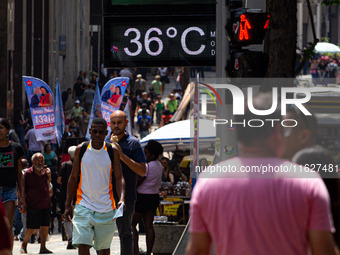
(196, 152)
(225, 138)
(32, 41)
(300, 25)
(318, 20)
(222, 46)
(98, 65)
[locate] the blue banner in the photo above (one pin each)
(112, 96)
(96, 109)
(40, 99)
(59, 115)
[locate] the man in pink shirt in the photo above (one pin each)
(258, 203)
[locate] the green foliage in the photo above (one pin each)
(330, 2)
(325, 39)
(308, 51)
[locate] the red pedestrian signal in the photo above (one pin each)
(266, 26)
(244, 26)
(247, 27)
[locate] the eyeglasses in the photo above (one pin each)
(95, 131)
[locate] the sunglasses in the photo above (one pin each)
(95, 131)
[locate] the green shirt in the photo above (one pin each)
(157, 86)
(76, 112)
(49, 157)
(159, 106)
(172, 105)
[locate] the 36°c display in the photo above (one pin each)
(159, 41)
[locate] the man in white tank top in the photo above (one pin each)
(93, 223)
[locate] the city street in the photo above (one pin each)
(58, 246)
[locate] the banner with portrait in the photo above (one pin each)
(112, 96)
(40, 99)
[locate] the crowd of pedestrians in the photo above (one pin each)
(324, 70)
(85, 191)
(140, 94)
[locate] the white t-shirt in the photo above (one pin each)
(163, 71)
(95, 187)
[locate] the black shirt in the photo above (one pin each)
(147, 102)
(131, 147)
(9, 157)
(78, 89)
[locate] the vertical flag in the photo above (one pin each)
(112, 96)
(40, 99)
(96, 109)
(128, 116)
(59, 115)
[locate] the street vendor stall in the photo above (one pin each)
(179, 135)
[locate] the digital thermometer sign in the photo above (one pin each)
(159, 40)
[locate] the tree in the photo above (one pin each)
(282, 38)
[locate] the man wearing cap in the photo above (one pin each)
(140, 86)
(76, 111)
(172, 104)
(157, 86)
(65, 172)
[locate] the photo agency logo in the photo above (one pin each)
(239, 100)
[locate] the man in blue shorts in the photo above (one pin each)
(91, 175)
(133, 163)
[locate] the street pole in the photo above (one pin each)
(222, 46)
(225, 144)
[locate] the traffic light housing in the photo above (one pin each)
(247, 26)
(247, 64)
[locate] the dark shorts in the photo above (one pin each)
(146, 203)
(38, 217)
(8, 194)
(165, 79)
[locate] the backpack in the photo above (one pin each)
(85, 145)
(332, 68)
(144, 124)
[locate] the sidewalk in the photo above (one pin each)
(58, 246)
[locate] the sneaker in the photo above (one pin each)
(70, 246)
